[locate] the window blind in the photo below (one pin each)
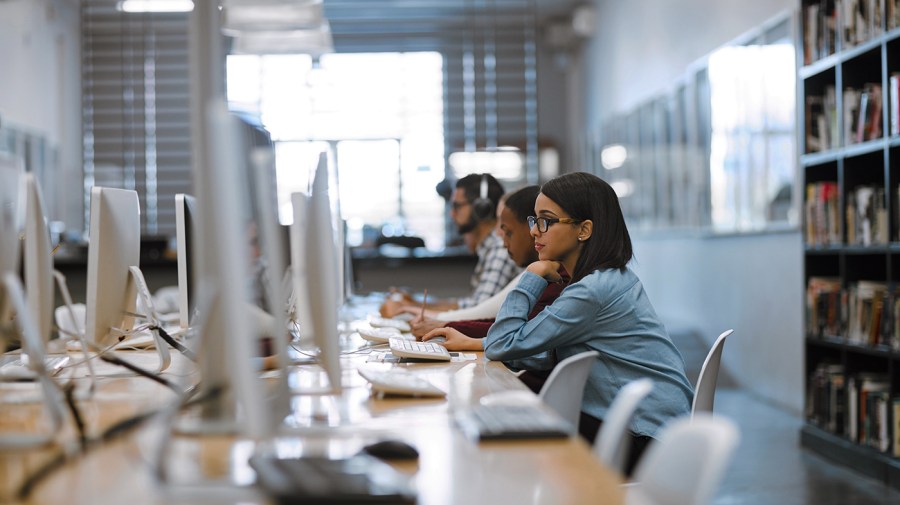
(135, 88)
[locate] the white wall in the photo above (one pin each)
(752, 283)
(40, 91)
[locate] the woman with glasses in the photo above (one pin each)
(578, 225)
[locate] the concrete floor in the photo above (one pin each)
(769, 466)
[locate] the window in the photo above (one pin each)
(380, 117)
(752, 96)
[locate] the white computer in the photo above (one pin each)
(228, 344)
(38, 259)
(10, 223)
(114, 278)
(12, 301)
(316, 276)
(185, 230)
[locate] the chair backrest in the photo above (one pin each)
(613, 442)
(687, 462)
(705, 391)
(565, 386)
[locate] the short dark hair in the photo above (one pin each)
(471, 186)
(521, 202)
(586, 196)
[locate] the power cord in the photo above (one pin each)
(116, 430)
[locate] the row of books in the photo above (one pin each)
(864, 312)
(822, 214)
(862, 117)
(867, 216)
(857, 21)
(862, 113)
(858, 406)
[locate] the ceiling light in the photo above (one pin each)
(240, 16)
(313, 42)
(155, 6)
(613, 156)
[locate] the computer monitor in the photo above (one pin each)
(38, 260)
(319, 261)
(185, 229)
(114, 278)
(113, 247)
(10, 223)
(228, 343)
(10, 212)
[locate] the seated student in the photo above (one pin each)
(463, 333)
(604, 307)
(473, 210)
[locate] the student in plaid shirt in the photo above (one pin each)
(473, 208)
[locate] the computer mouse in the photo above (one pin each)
(391, 449)
(440, 339)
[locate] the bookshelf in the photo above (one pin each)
(849, 94)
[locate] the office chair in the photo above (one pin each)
(565, 386)
(705, 390)
(686, 464)
(612, 444)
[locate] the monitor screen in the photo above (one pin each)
(185, 228)
(10, 213)
(10, 224)
(113, 247)
(317, 264)
(38, 259)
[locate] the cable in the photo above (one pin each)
(115, 360)
(120, 428)
(174, 343)
(69, 390)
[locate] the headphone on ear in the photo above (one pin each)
(483, 207)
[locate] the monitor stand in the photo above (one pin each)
(162, 347)
(32, 345)
(79, 333)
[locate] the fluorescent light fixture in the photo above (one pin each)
(263, 15)
(502, 164)
(613, 156)
(155, 6)
(313, 42)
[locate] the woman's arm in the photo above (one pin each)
(485, 310)
(568, 320)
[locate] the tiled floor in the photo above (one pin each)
(769, 466)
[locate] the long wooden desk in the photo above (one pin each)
(451, 469)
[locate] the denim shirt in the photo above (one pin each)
(607, 311)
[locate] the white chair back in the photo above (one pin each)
(705, 391)
(565, 386)
(613, 440)
(686, 464)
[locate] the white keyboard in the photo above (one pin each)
(398, 382)
(385, 322)
(380, 335)
(403, 348)
(15, 368)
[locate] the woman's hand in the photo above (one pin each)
(396, 302)
(456, 341)
(421, 326)
(549, 270)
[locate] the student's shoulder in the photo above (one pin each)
(609, 280)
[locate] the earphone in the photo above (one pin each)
(483, 207)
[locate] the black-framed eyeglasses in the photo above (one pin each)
(458, 205)
(543, 223)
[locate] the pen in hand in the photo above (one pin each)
(424, 299)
